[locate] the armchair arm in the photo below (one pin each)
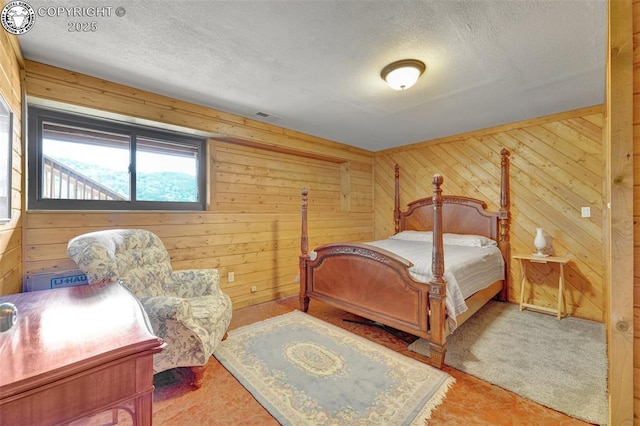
(166, 307)
(195, 282)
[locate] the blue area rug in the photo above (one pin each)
(305, 371)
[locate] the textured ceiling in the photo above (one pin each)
(314, 66)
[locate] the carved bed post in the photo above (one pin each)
(396, 209)
(304, 255)
(504, 221)
(437, 285)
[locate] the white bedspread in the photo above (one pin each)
(467, 269)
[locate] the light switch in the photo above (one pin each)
(586, 211)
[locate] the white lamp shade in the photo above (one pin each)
(403, 78)
(403, 74)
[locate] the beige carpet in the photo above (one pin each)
(559, 364)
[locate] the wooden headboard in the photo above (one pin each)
(460, 215)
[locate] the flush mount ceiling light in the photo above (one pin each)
(401, 75)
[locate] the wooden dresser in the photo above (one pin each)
(75, 352)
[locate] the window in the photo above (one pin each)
(85, 163)
(6, 152)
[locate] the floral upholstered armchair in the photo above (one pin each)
(186, 308)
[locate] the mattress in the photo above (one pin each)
(468, 268)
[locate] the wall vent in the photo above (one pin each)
(270, 118)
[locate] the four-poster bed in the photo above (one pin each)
(380, 285)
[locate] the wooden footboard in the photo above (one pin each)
(369, 282)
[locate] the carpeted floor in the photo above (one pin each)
(561, 364)
(305, 371)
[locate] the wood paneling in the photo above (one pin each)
(621, 357)
(258, 179)
(11, 232)
(256, 173)
(556, 168)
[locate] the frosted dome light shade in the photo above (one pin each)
(403, 74)
(403, 78)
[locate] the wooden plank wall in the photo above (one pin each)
(556, 168)
(619, 194)
(256, 172)
(11, 232)
(257, 179)
(636, 207)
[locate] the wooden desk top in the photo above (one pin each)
(64, 331)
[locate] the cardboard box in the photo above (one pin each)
(49, 280)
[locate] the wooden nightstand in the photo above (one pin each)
(561, 261)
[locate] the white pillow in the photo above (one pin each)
(413, 236)
(468, 240)
(447, 238)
